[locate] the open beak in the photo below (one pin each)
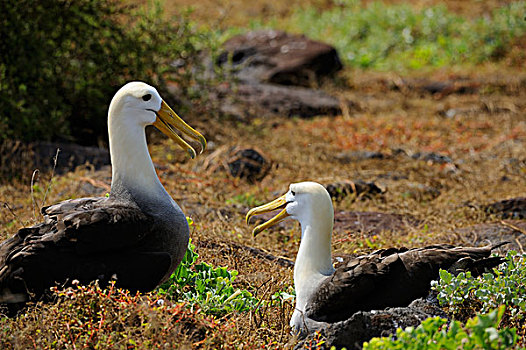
(279, 203)
(168, 121)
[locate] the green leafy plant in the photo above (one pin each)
(281, 297)
(480, 332)
(506, 286)
(208, 287)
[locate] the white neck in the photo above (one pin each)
(132, 166)
(314, 256)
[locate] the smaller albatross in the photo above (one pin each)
(137, 236)
(385, 278)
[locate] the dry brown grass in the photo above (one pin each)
(486, 139)
(486, 142)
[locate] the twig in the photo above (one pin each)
(35, 173)
(55, 159)
(345, 109)
(6, 205)
(513, 227)
(520, 245)
(96, 183)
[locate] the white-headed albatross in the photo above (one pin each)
(137, 236)
(384, 278)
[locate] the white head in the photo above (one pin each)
(137, 105)
(305, 202)
(133, 107)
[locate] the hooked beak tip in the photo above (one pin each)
(202, 141)
(248, 216)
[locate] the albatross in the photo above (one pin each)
(137, 235)
(385, 278)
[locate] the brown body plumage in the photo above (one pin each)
(137, 236)
(86, 239)
(391, 277)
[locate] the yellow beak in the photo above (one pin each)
(279, 203)
(168, 121)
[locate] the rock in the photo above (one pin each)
(439, 88)
(272, 71)
(246, 163)
(278, 57)
(362, 326)
(71, 155)
(432, 157)
(249, 164)
(372, 222)
(514, 208)
(247, 101)
(17, 157)
(393, 175)
(350, 156)
(351, 222)
(359, 188)
(421, 192)
(482, 234)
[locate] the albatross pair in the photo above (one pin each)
(384, 278)
(138, 235)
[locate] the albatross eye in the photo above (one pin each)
(293, 193)
(147, 97)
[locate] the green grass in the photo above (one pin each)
(400, 37)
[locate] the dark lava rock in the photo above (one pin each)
(439, 88)
(17, 157)
(280, 58)
(359, 188)
(350, 156)
(249, 164)
(351, 222)
(432, 157)
(421, 192)
(372, 222)
(394, 176)
(362, 326)
(273, 71)
(514, 208)
(246, 163)
(71, 155)
(482, 234)
(246, 101)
